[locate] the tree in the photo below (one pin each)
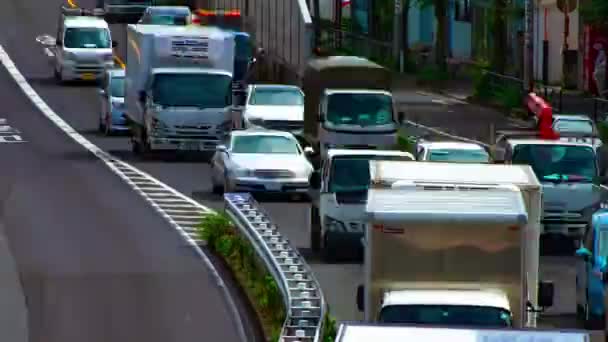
(595, 12)
(499, 36)
(441, 42)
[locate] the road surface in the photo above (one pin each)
(79, 107)
(95, 261)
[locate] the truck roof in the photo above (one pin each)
(336, 152)
(180, 30)
(394, 173)
(190, 70)
(84, 22)
(452, 144)
(357, 91)
(502, 204)
(365, 332)
(481, 297)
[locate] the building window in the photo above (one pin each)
(462, 10)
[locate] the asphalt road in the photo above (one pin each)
(79, 106)
(96, 262)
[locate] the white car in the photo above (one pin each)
(274, 106)
(257, 160)
(451, 151)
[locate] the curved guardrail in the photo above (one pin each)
(305, 306)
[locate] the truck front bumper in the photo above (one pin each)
(183, 144)
(278, 185)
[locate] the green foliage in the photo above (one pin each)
(431, 73)
(602, 129)
(487, 89)
(406, 143)
(330, 328)
(263, 292)
(595, 12)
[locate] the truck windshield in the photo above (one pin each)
(192, 90)
(459, 156)
(117, 87)
(360, 109)
(92, 38)
(558, 163)
(276, 97)
(450, 315)
(574, 126)
(351, 173)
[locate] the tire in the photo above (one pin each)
(58, 76)
(101, 127)
(216, 189)
(315, 230)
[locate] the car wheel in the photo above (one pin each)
(215, 188)
(58, 75)
(226, 187)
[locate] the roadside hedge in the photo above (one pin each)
(224, 240)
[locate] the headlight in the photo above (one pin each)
(242, 172)
(332, 223)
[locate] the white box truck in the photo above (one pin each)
(393, 176)
(361, 332)
(178, 86)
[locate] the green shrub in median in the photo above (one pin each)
(261, 289)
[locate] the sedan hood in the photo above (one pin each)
(572, 196)
(258, 161)
(283, 113)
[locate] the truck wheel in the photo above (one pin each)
(58, 76)
(315, 230)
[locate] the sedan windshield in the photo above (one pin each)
(558, 163)
(91, 38)
(459, 156)
(117, 86)
(264, 144)
(276, 97)
(574, 126)
(192, 90)
(359, 109)
(448, 315)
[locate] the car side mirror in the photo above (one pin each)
(546, 293)
(308, 150)
(102, 92)
(315, 180)
(360, 298)
(59, 42)
(114, 44)
(221, 148)
(583, 253)
(142, 96)
(401, 117)
(321, 117)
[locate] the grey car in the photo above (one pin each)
(166, 15)
(112, 98)
(258, 160)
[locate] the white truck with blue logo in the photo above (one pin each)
(178, 87)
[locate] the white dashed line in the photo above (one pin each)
(136, 179)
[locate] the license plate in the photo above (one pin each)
(191, 146)
(88, 77)
(273, 187)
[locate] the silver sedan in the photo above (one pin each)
(257, 160)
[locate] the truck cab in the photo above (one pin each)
(570, 177)
(123, 11)
(591, 263)
(348, 104)
(83, 48)
(338, 196)
(479, 308)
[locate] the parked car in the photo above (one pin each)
(112, 98)
(451, 151)
(259, 160)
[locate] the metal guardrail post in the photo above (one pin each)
(305, 305)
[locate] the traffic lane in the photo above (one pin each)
(13, 317)
(97, 263)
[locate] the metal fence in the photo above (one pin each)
(304, 302)
(507, 90)
(283, 28)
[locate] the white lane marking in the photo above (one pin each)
(439, 101)
(8, 134)
(127, 172)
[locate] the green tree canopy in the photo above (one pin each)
(595, 12)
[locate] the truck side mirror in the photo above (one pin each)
(142, 96)
(546, 293)
(360, 298)
(401, 117)
(315, 180)
(114, 44)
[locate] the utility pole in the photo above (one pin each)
(529, 46)
(397, 34)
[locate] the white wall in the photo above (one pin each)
(555, 30)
